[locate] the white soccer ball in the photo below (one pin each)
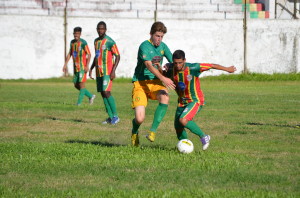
(185, 146)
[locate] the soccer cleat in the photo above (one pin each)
(107, 121)
(151, 136)
(91, 100)
(135, 140)
(205, 142)
(115, 120)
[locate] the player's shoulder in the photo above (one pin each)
(145, 43)
(193, 66)
(83, 41)
(163, 45)
(109, 39)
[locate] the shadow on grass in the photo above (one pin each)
(277, 125)
(98, 143)
(69, 120)
(108, 144)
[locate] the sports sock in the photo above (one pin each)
(80, 96)
(135, 127)
(112, 104)
(182, 135)
(87, 93)
(107, 108)
(193, 127)
(159, 114)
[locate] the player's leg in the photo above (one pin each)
(139, 103)
(77, 80)
(139, 118)
(163, 98)
(86, 92)
(80, 84)
(180, 132)
(186, 120)
(101, 89)
(107, 86)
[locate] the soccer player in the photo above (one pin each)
(80, 52)
(149, 83)
(106, 60)
(190, 96)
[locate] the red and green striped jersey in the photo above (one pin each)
(79, 50)
(105, 49)
(188, 83)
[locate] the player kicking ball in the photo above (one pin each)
(190, 96)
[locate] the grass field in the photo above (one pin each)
(51, 148)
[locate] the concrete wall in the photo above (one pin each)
(33, 46)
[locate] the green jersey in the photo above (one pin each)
(149, 52)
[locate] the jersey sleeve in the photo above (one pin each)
(114, 50)
(168, 54)
(205, 67)
(87, 50)
(85, 47)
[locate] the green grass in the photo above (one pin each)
(51, 148)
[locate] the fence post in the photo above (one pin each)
(245, 38)
(155, 12)
(66, 73)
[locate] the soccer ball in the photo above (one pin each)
(185, 146)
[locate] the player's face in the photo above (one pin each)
(156, 38)
(77, 35)
(179, 64)
(101, 30)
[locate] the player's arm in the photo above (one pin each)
(91, 69)
(113, 71)
(167, 81)
(66, 62)
(117, 56)
(93, 64)
(88, 58)
(229, 69)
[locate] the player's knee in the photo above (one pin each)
(139, 120)
(163, 97)
(105, 94)
(183, 121)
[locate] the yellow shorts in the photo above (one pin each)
(144, 90)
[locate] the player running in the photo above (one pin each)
(190, 96)
(149, 83)
(80, 52)
(106, 60)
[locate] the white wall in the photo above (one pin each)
(33, 46)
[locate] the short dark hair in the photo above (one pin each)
(101, 23)
(179, 54)
(77, 29)
(158, 27)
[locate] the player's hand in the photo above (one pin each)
(168, 83)
(64, 68)
(90, 75)
(231, 69)
(112, 75)
(166, 67)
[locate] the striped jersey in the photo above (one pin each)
(79, 50)
(149, 52)
(105, 49)
(188, 83)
